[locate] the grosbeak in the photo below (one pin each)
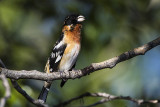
(65, 51)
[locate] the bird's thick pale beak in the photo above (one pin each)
(80, 18)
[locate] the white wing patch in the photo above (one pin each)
(57, 53)
(58, 58)
(52, 55)
(58, 45)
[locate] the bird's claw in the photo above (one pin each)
(61, 74)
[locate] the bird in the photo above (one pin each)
(65, 51)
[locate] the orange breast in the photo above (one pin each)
(72, 35)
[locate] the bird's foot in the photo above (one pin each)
(61, 74)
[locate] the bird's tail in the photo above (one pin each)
(63, 82)
(44, 92)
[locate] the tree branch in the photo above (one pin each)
(21, 91)
(7, 90)
(106, 98)
(34, 74)
(30, 99)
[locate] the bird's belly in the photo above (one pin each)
(69, 57)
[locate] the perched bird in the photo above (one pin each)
(65, 51)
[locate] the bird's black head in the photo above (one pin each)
(74, 19)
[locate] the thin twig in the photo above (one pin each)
(106, 98)
(7, 90)
(29, 98)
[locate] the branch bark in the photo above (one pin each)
(106, 98)
(34, 74)
(7, 90)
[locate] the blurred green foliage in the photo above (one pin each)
(29, 29)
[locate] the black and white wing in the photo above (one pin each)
(56, 55)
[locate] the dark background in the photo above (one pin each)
(29, 29)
